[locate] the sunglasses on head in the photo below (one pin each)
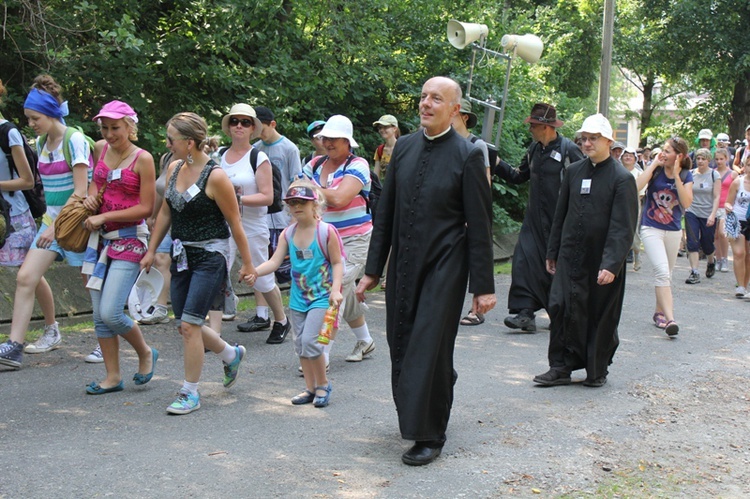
(245, 122)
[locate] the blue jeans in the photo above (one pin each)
(699, 235)
(109, 303)
(198, 289)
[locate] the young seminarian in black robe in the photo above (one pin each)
(591, 235)
(433, 215)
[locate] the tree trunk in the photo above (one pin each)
(647, 111)
(740, 117)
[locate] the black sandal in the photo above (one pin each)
(472, 319)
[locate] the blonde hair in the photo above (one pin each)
(704, 153)
(320, 203)
(130, 123)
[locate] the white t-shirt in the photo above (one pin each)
(243, 179)
(18, 204)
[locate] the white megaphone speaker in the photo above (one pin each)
(527, 47)
(461, 35)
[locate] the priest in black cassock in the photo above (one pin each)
(542, 166)
(591, 234)
(433, 214)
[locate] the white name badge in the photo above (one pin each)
(586, 186)
(556, 156)
(191, 193)
(114, 175)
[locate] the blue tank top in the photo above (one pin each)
(312, 277)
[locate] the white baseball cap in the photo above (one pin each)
(597, 123)
(144, 293)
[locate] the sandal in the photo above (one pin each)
(305, 397)
(672, 328)
(660, 320)
(472, 319)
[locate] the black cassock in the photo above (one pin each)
(434, 213)
(543, 168)
(591, 231)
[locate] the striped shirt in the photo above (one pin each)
(57, 175)
(352, 219)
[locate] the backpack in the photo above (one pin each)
(322, 233)
(68, 151)
(35, 195)
(276, 205)
(375, 186)
(5, 226)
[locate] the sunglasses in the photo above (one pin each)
(246, 123)
(590, 139)
(296, 202)
(171, 140)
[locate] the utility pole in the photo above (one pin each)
(606, 67)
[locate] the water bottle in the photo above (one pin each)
(329, 323)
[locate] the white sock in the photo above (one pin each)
(327, 351)
(261, 312)
(283, 323)
(190, 387)
(228, 354)
(362, 333)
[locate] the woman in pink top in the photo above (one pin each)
(127, 174)
(727, 175)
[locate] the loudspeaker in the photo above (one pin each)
(527, 47)
(460, 35)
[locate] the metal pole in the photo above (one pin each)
(502, 105)
(606, 68)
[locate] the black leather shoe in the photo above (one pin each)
(553, 377)
(420, 454)
(596, 382)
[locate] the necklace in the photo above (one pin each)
(125, 155)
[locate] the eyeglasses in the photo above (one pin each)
(592, 139)
(245, 122)
(171, 140)
(296, 202)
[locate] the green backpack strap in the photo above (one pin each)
(67, 140)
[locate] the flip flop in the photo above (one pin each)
(472, 319)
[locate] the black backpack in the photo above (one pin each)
(375, 186)
(276, 206)
(35, 195)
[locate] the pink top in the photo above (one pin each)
(726, 181)
(121, 194)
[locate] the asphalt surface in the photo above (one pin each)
(506, 436)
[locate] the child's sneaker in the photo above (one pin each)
(49, 340)
(11, 354)
(95, 357)
(231, 371)
(185, 403)
(724, 265)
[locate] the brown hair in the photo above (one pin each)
(48, 84)
(190, 126)
(681, 147)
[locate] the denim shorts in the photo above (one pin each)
(166, 245)
(198, 289)
(74, 259)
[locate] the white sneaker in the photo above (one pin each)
(747, 296)
(49, 340)
(95, 357)
(158, 316)
(231, 317)
(361, 349)
(740, 291)
(724, 265)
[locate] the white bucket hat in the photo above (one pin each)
(144, 293)
(242, 110)
(338, 126)
(597, 123)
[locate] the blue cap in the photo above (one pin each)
(314, 126)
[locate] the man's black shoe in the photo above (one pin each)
(254, 324)
(522, 321)
(596, 383)
(420, 454)
(279, 332)
(553, 377)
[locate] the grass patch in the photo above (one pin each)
(503, 268)
(33, 334)
(647, 480)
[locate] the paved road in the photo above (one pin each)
(673, 419)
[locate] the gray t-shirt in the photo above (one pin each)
(703, 193)
(284, 154)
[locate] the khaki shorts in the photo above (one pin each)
(356, 248)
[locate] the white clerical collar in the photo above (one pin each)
(428, 137)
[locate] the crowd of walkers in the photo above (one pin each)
(309, 221)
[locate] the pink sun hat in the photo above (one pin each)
(116, 110)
